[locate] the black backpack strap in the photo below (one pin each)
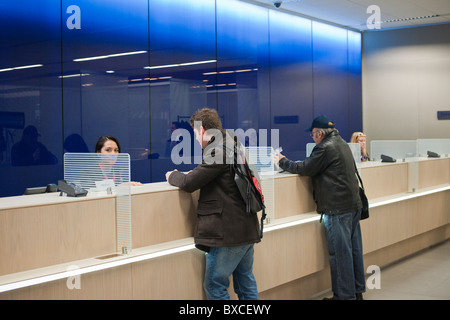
(359, 178)
(263, 216)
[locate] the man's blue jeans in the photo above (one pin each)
(221, 263)
(346, 254)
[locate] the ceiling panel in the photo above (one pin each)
(353, 13)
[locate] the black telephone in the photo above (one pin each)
(432, 154)
(37, 190)
(71, 189)
(385, 158)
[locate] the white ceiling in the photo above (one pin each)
(353, 13)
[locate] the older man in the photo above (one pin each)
(335, 188)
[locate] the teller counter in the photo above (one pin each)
(56, 247)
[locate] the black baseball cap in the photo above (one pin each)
(322, 122)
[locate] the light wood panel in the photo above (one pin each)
(293, 195)
(287, 254)
(102, 285)
(388, 224)
(402, 249)
(385, 180)
(301, 288)
(162, 216)
(434, 172)
(34, 237)
(173, 277)
(399, 221)
(433, 212)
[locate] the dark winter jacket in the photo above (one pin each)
(222, 220)
(332, 171)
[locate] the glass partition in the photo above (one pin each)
(402, 149)
(439, 146)
(102, 174)
(396, 149)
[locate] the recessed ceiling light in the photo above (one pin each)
(109, 56)
(74, 75)
(22, 67)
(410, 18)
(180, 64)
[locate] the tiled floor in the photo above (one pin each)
(422, 276)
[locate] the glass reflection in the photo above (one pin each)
(182, 48)
(138, 70)
(105, 86)
(30, 95)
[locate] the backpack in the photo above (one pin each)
(248, 182)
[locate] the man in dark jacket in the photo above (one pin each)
(336, 193)
(224, 230)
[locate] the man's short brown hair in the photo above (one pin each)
(209, 118)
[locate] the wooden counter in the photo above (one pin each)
(48, 240)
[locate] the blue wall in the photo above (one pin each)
(261, 69)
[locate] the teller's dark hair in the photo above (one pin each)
(101, 141)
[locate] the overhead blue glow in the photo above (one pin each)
(242, 30)
(290, 38)
(182, 31)
(329, 32)
(330, 47)
(354, 52)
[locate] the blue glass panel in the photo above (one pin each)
(182, 50)
(331, 96)
(30, 95)
(291, 81)
(105, 83)
(354, 83)
(242, 82)
(138, 69)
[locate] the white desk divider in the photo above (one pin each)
(403, 149)
(439, 146)
(102, 173)
(397, 149)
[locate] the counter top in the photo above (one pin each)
(54, 198)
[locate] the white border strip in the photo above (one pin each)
(291, 224)
(98, 267)
(408, 196)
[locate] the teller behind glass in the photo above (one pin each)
(110, 145)
(359, 137)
